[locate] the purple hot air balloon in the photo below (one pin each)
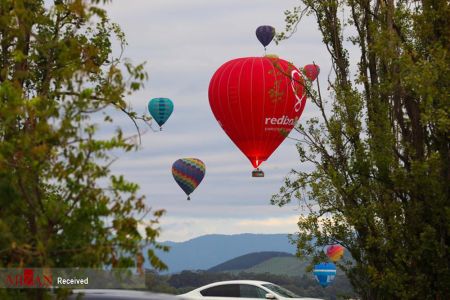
(265, 34)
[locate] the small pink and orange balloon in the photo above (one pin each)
(335, 252)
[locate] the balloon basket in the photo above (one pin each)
(257, 173)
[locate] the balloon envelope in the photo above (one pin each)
(311, 71)
(188, 173)
(335, 252)
(265, 34)
(257, 101)
(324, 273)
(160, 109)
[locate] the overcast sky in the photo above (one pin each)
(184, 43)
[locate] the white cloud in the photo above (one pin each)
(182, 229)
(269, 223)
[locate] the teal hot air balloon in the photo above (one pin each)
(160, 109)
(188, 173)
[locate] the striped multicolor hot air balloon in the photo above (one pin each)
(335, 252)
(188, 173)
(160, 109)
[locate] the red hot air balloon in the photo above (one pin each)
(257, 101)
(311, 71)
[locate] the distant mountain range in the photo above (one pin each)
(208, 251)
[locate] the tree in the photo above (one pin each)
(60, 205)
(379, 151)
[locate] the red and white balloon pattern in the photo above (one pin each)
(257, 101)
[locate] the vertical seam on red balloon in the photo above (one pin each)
(267, 141)
(287, 81)
(229, 129)
(218, 98)
(279, 76)
(263, 148)
(264, 104)
(215, 86)
(251, 106)
(235, 131)
(239, 98)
